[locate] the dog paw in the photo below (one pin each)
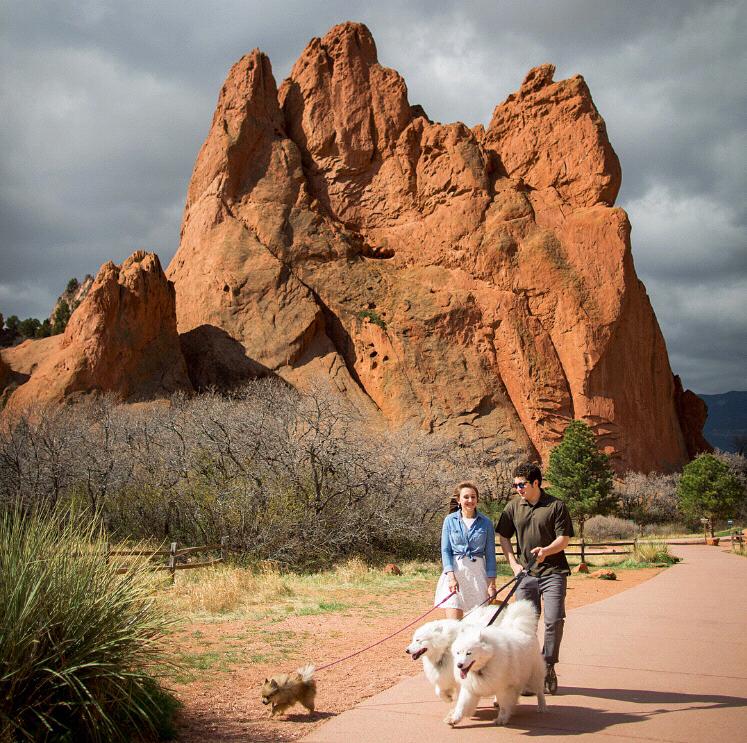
(450, 720)
(501, 719)
(542, 707)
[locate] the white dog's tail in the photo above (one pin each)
(521, 616)
(306, 672)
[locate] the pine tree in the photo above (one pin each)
(61, 317)
(580, 475)
(709, 489)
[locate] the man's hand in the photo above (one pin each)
(539, 553)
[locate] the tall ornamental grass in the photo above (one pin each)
(78, 643)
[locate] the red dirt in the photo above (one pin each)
(225, 705)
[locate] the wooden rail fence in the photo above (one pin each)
(173, 554)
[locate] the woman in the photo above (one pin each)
(467, 553)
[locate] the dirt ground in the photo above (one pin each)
(221, 695)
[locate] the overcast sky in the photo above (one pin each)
(105, 105)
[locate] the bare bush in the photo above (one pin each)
(295, 478)
(648, 499)
(601, 528)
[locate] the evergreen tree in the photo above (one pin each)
(72, 286)
(44, 330)
(580, 475)
(12, 324)
(61, 317)
(709, 489)
(2, 321)
(28, 327)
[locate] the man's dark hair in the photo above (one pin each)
(530, 471)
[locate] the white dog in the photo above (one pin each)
(432, 642)
(499, 660)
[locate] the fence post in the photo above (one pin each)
(172, 562)
(635, 547)
(223, 548)
(583, 550)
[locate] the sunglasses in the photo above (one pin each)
(520, 485)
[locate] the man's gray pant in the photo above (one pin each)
(551, 588)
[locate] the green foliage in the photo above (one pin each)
(2, 321)
(72, 286)
(28, 327)
(581, 475)
(653, 552)
(44, 330)
(709, 489)
(373, 317)
(77, 640)
(61, 317)
(12, 324)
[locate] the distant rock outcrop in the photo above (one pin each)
(121, 339)
(479, 280)
(75, 292)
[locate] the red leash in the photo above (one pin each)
(388, 637)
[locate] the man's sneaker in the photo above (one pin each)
(551, 679)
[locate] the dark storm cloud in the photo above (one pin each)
(106, 104)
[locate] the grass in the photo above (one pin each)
(79, 645)
(227, 592)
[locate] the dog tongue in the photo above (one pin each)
(415, 656)
(464, 671)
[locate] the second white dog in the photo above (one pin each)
(499, 660)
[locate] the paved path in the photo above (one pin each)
(664, 661)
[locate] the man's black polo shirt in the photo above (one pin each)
(537, 526)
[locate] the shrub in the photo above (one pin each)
(373, 317)
(77, 641)
(653, 552)
(648, 499)
(600, 528)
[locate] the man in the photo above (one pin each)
(543, 528)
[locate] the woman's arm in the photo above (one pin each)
(447, 555)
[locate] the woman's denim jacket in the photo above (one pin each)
(458, 541)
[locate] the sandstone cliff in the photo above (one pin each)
(479, 281)
(121, 339)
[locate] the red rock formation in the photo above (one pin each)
(693, 413)
(121, 339)
(479, 281)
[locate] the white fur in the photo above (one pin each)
(500, 660)
(306, 672)
(432, 642)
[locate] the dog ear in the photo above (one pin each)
(273, 683)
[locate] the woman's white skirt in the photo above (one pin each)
(473, 585)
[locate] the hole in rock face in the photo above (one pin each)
(372, 305)
(385, 358)
(226, 287)
(373, 354)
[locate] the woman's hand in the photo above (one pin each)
(491, 587)
(453, 583)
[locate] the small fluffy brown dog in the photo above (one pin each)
(287, 689)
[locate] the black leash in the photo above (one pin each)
(517, 582)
